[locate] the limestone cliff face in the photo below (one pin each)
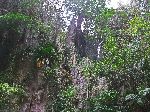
(84, 46)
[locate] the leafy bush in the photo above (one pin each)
(104, 102)
(47, 52)
(66, 100)
(138, 101)
(9, 95)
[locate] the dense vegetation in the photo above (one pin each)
(99, 62)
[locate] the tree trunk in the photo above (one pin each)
(80, 42)
(36, 99)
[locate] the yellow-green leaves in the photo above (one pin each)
(138, 26)
(111, 44)
(5, 88)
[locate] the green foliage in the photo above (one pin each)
(86, 65)
(70, 92)
(125, 63)
(138, 26)
(9, 95)
(104, 102)
(29, 4)
(16, 21)
(66, 100)
(139, 100)
(123, 53)
(13, 20)
(6, 89)
(105, 15)
(48, 51)
(14, 17)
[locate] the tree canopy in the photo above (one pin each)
(74, 56)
